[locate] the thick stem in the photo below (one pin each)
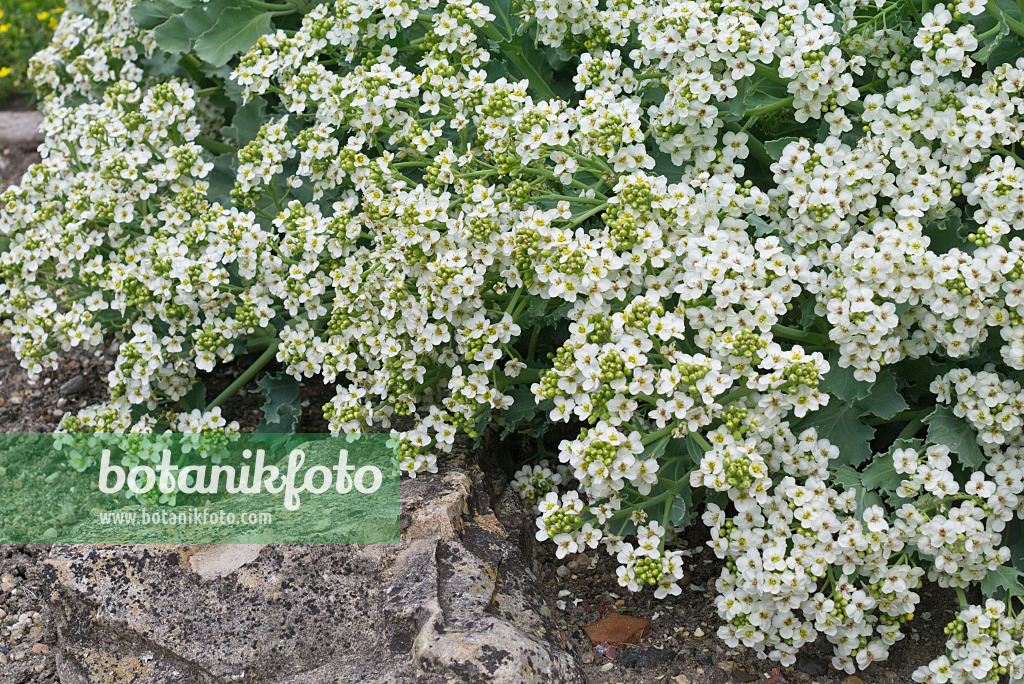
(993, 8)
(250, 372)
(215, 146)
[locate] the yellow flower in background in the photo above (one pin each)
(21, 37)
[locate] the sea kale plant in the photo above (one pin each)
(761, 259)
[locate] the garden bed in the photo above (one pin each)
(680, 648)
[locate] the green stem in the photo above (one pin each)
(768, 109)
(798, 335)
(769, 73)
(585, 215)
(914, 425)
(514, 52)
(532, 349)
(215, 146)
(1008, 153)
(663, 432)
(265, 358)
(992, 7)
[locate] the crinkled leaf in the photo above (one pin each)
(765, 93)
(195, 398)
(623, 527)
(884, 400)
(850, 480)
(236, 31)
(1002, 582)
(945, 428)
(281, 408)
(774, 148)
(246, 122)
(807, 315)
(841, 383)
(761, 227)
(880, 475)
(682, 506)
(694, 449)
(180, 32)
(945, 235)
(664, 166)
(524, 408)
(840, 425)
(735, 106)
(149, 14)
(222, 178)
(1008, 51)
(985, 53)
(504, 19)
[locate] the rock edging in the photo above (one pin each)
(455, 601)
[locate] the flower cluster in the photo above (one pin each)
(720, 242)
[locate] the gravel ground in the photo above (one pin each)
(682, 646)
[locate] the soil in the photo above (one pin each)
(682, 647)
(15, 159)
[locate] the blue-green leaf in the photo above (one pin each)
(149, 14)
(281, 408)
(1002, 582)
(945, 428)
(236, 31)
(985, 53)
(883, 399)
(774, 148)
(840, 382)
(179, 33)
(839, 424)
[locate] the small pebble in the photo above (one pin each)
(698, 632)
(76, 385)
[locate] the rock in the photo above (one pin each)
(853, 679)
(20, 129)
(635, 658)
(618, 629)
(76, 385)
(717, 676)
(455, 601)
(811, 666)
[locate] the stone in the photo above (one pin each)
(457, 600)
(618, 629)
(853, 679)
(20, 129)
(76, 385)
(811, 666)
